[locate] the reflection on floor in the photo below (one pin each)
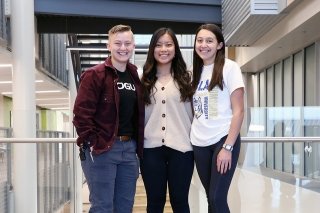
(251, 192)
(85, 199)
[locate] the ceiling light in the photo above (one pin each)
(5, 65)
(48, 91)
(45, 91)
(50, 99)
(60, 108)
(54, 104)
(6, 93)
(10, 82)
(5, 82)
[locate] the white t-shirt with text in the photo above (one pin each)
(212, 109)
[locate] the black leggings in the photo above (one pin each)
(215, 184)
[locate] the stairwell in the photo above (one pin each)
(140, 201)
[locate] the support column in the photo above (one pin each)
(76, 182)
(24, 110)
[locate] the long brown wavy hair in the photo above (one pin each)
(217, 74)
(178, 68)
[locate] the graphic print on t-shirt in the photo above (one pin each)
(197, 107)
(127, 105)
(126, 86)
(205, 102)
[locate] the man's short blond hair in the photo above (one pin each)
(119, 28)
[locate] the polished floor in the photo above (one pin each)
(252, 192)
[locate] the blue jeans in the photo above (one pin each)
(215, 184)
(161, 166)
(112, 177)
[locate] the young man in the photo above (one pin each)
(109, 119)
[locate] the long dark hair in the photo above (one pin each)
(217, 74)
(178, 66)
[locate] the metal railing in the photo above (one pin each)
(5, 169)
(5, 27)
(68, 174)
(298, 156)
(53, 171)
(52, 57)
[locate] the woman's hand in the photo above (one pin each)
(224, 156)
(224, 161)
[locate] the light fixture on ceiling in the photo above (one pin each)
(38, 92)
(48, 91)
(10, 82)
(60, 108)
(49, 99)
(5, 82)
(56, 104)
(5, 65)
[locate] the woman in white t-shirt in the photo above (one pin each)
(218, 114)
(167, 154)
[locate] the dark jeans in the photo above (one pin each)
(112, 177)
(215, 184)
(161, 166)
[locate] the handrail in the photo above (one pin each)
(243, 139)
(279, 139)
(37, 140)
(77, 181)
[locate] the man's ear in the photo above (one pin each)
(220, 45)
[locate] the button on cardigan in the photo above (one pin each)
(167, 119)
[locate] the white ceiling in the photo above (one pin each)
(284, 46)
(56, 96)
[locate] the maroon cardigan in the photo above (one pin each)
(96, 108)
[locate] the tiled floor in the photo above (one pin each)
(254, 193)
